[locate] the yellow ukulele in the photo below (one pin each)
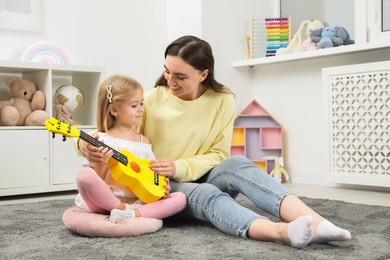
(126, 168)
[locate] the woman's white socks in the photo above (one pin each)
(300, 231)
(327, 232)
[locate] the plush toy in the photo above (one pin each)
(305, 28)
(308, 45)
(25, 107)
(279, 173)
(331, 36)
(62, 114)
(69, 99)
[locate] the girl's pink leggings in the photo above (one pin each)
(100, 199)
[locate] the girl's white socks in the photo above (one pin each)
(117, 215)
(135, 205)
(300, 231)
(327, 232)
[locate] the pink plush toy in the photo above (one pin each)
(308, 45)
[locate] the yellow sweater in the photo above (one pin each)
(196, 134)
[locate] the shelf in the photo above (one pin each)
(255, 122)
(61, 69)
(49, 164)
(238, 136)
(49, 77)
(261, 164)
(271, 138)
(257, 135)
(237, 150)
(341, 50)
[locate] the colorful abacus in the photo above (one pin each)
(278, 34)
(268, 35)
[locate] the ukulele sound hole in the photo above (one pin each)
(135, 167)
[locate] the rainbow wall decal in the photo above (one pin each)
(45, 52)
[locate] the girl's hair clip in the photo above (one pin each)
(109, 93)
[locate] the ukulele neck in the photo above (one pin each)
(116, 155)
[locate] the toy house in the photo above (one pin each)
(257, 135)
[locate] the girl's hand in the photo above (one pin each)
(101, 166)
(165, 167)
(92, 153)
(105, 155)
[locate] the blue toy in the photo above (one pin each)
(331, 36)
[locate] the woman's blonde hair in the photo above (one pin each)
(113, 91)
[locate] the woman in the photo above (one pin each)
(189, 119)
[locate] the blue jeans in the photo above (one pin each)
(212, 198)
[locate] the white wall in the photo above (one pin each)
(183, 18)
(129, 36)
(225, 25)
(124, 36)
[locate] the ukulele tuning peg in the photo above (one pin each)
(63, 138)
(53, 135)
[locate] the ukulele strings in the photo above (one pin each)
(116, 155)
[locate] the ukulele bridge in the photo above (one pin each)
(156, 179)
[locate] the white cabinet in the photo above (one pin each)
(31, 160)
(24, 159)
(65, 162)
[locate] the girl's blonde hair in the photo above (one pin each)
(113, 91)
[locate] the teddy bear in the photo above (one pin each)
(305, 28)
(331, 36)
(25, 107)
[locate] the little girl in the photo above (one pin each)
(120, 110)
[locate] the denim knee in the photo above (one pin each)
(238, 162)
(203, 193)
(211, 204)
(238, 174)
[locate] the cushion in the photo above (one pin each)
(86, 223)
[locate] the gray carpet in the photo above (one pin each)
(35, 231)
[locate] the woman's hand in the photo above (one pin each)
(165, 167)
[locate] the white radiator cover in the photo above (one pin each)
(359, 123)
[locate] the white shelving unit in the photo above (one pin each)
(368, 36)
(31, 160)
(354, 48)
